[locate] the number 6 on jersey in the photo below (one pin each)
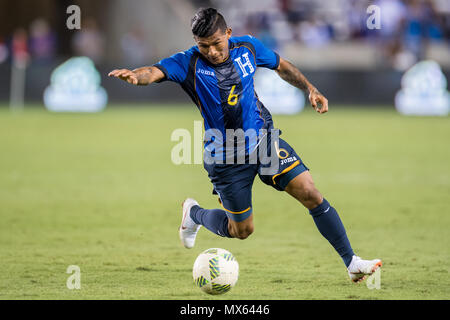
(233, 98)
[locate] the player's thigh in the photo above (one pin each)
(238, 207)
(233, 184)
(281, 170)
(291, 175)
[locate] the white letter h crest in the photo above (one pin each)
(246, 64)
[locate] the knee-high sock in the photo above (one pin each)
(215, 220)
(330, 226)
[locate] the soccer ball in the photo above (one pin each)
(215, 271)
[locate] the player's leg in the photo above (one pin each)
(238, 228)
(325, 216)
(330, 225)
(303, 189)
(294, 177)
(233, 184)
(224, 222)
(194, 217)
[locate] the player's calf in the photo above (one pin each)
(325, 216)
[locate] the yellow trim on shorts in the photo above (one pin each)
(292, 166)
(244, 211)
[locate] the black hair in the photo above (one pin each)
(206, 22)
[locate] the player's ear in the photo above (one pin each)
(229, 32)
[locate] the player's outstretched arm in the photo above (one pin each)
(289, 73)
(139, 77)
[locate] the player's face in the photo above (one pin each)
(215, 47)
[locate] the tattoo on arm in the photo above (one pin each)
(289, 73)
(147, 75)
(144, 75)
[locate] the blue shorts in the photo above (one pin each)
(233, 182)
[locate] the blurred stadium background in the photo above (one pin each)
(328, 40)
(98, 190)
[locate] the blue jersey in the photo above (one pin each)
(224, 93)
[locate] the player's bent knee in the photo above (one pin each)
(242, 232)
(309, 193)
(305, 191)
(241, 229)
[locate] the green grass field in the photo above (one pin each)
(100, 191)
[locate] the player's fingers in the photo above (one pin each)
(113, 73)
(130, 75)
(118, 73)
(132, 80)
(316, 104)
(312, 99)
(324, 103)
(123, 73)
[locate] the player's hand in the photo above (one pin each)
(125, 75)
(318, 101)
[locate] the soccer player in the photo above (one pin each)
(217, 74)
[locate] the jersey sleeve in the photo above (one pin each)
(175, 67)
(264, 56)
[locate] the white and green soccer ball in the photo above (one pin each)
(215, 271)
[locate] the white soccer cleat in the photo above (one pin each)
(359, 268)
(188, 228)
